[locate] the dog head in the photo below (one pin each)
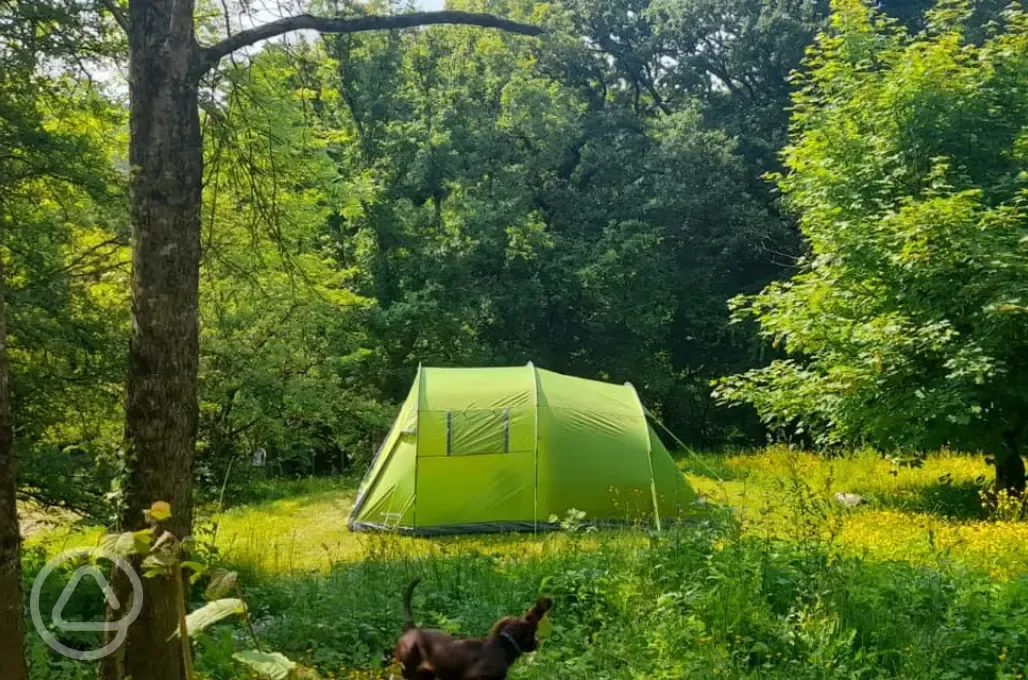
(520, 631)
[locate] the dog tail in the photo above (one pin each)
(408, 617)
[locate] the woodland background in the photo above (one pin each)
(590, 202)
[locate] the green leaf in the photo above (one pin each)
(159, 561)
(197, 568)
(271, 665)
(142, 540)
(77, 554)
(127, 543)
(109, 542)
(211, 613)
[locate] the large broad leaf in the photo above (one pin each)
(83, 554)
(222, 583)
(158, 563)
(267, 664)
(211, 613)
(197, 569)
(128, 543)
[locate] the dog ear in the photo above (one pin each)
(538, 611)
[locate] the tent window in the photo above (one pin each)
(471, 433)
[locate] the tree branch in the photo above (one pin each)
(213, 54)
(119, 17)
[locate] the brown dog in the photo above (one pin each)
(427, 654)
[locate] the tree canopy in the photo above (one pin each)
(906, 326)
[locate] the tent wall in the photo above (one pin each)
(476, 447)
(675, 499)
(482, 489)
(390, 502)
(386, 495)
(593, 454)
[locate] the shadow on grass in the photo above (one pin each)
(302, 491)
(959, 500)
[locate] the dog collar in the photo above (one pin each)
(513, 643)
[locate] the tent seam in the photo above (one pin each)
(535, 488)
(649, 454)
(417, 444)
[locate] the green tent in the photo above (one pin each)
(504, 449)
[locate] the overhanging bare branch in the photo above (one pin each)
(213, 54)
(118, 15)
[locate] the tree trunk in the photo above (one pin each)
(1010, 466)
(12, 655)
(161, 416)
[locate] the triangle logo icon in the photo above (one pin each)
(62, 601)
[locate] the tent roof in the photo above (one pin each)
(450, 389)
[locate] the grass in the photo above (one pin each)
(914, 583)
(303, 531)
(917, 514)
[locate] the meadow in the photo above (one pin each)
(778, 580)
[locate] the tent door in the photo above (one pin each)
(476, 489)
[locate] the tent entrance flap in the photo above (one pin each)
(471, 433)
(475, 489)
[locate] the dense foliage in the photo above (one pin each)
(62, 214)
(907, 326)
(589, 202)
(447, 196)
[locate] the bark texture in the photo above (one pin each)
(12, 656)
(1010, 472)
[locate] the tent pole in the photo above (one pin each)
(535, 488)
(682, 444)
(664, 427)
(649, 457)
(417, 444)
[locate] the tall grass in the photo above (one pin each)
(778, 582)
(702, 602)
